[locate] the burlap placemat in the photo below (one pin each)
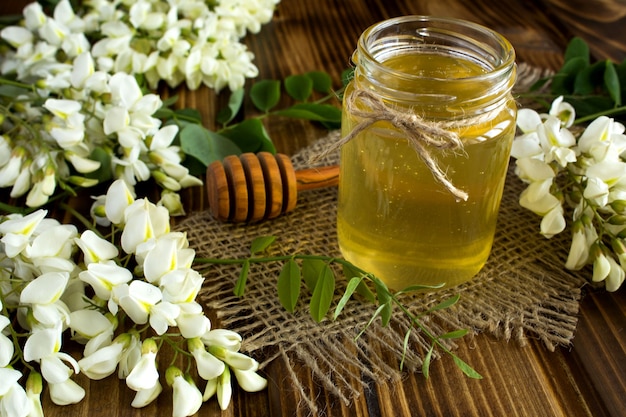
(523, 291)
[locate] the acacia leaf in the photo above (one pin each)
(228, 113)
(265, 94)
(311, 270)
(426, 362)
(204, 145)
(289, 285)
(322, 82)
(448, 302)
(353, 284)
(612, 83)
(322, 294)
(261, 243)
(250, 136)
(299, 87)
(350, 271)
(577, 48)
(312, 111)
(467, 370)
(455, 334)
(240, 285)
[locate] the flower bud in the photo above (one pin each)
(617, 220)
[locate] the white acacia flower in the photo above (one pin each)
(130, 355)
(44, 296)
(250, 380)
(6, 345)
(597, 139)
(17, 230)
(144, 221)
(187, 397)
(145, 375)
(34, 386)
(553, 222)
(563, 111)
(43, 346)
(13, 399)
(181, 285)
(65, 392)
(208, 366)
(103, 362)
(137, 299)
(615, 278)
(556, 142)
(191, 321)
(146, 396)
(119, 197)
(95, 248)
(579, 249)
(104, 276)
(170, 252)
(91, 328)
(163, 315)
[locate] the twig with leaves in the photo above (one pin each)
(319, 277)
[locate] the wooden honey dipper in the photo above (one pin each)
(252, 187)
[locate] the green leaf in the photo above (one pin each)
(250, 136)
(563, 81)
(299, 87)
(204, 145)
(413, 288)
(189, 115)
(322, 294)
(577, 49)
(371, 320)
(12, 91)
(260, 244)
(322, 82)
(363, 290)
(353, 284)
(589, 78)
(455, 334)
(265, 94)
(384, 299)
(289, 285)
(467, 370)
(311, 271)
(313, 111)
(449, 302)
(612, 84)
(426, 362)
(405, 347)
(240, 285)
(227, 114)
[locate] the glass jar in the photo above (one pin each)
(428, 122)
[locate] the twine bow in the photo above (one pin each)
(419, 133)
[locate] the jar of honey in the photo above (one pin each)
(428, 122)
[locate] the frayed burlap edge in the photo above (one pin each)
(523, 291)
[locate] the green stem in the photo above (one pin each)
(594, 116)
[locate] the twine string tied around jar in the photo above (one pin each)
(420, 133)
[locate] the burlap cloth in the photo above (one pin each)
(523, 291)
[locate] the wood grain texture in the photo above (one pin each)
(586, 379)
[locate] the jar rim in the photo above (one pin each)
(490, 41)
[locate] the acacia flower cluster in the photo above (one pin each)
(72, 112)
(578, 175)
(122, 297)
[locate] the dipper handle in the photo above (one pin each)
(252, 187)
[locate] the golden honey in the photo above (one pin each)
(395, 219)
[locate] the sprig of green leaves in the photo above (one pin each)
(593, 88)
(309, 93)
(319, 278)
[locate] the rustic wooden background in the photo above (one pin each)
(585, 379)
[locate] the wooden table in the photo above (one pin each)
(586, 379)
